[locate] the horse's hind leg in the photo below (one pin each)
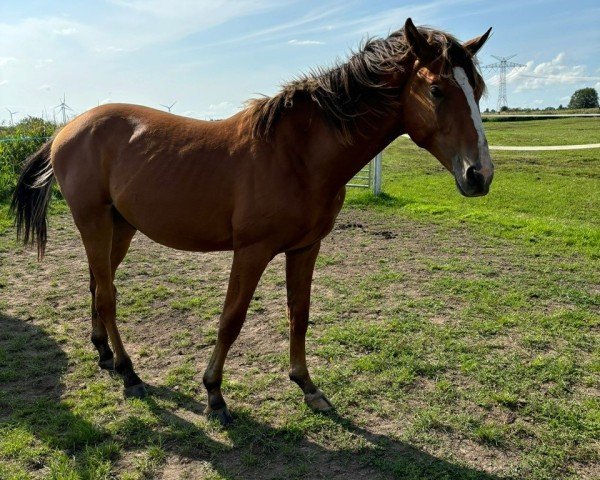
(106, 237)
(123, 232)
(299, 270)
(99, 333)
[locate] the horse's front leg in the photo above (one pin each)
(248, 265)
(299, 270)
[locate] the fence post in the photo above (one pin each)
(377, 174)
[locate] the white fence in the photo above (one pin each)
(369, 176)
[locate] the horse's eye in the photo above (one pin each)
(436, 92)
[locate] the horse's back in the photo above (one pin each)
(170, 177)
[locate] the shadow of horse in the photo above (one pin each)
(32, 367)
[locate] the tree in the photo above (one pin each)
(18, 142)
(584, 98)
(29, 127)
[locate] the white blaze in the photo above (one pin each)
(463, 81)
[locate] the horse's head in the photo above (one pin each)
(441, 106)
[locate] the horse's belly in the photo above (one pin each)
(189, 240)
(202, 228)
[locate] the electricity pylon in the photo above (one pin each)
(502, 66)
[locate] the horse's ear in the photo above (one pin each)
(417, 42)
(475, 44)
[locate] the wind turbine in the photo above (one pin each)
(11, 113)
(168, 107)
(63, 107)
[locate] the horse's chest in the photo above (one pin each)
(315, 221)
(286, 223)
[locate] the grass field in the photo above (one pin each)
(563, 111)
(458, 339)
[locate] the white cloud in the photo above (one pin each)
(65, 31)
(158, 21)
(43, 62)
(92, 54)
(4, 61)
(214, 111)
(553, 72)
(109, 49)
(308, 23)
(174, 49)
(536, 103)
(182, 8)
(305, 42)
(220, 110)
(393, 19)
(142, 24)
(31, 38)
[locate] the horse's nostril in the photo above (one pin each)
(473, 174)
(475, 179)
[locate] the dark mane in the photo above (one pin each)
(339, 91)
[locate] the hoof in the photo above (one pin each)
(135, 391)
(108, 364)
(318, 401)
(221, 414)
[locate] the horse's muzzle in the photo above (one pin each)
(475, 182)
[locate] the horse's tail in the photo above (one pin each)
(30, 199)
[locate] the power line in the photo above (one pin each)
(503, 65)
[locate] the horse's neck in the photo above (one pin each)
(335, 162)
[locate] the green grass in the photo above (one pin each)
(457, 338)
(5, 220)
(548, 113)
(550, 198)
(560, 131)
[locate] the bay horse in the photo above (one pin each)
(265, 181)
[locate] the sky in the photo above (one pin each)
(211, 56)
